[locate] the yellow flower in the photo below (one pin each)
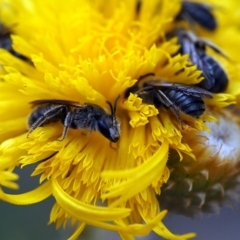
(90, 52)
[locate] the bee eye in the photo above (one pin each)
(108, 129)
(103, 127)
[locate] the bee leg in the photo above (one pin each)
(146, 75)
(169, 104)
(142, 92)
(54, 113)
(92, 126)
(38, 123)
(112, 146)
(67, 122)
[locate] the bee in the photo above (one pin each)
(138, 6)
(72, 115)
(199, 13)
(215, 78)
(6, 42)
(219, 78)
(177, 97)
(5, 39)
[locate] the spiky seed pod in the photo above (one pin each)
(203, 186)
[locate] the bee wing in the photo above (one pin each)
(213, 46)
(201, 13)
(220, 76)
(208, 72)
(189, 90)
(56, 101)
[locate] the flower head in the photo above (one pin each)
(85, 53)
(212, 181)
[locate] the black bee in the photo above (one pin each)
(199, 13)
(6, 41)
(138, 6)
(177, 97)
(219, 79)
(215, 78)
(72, 115)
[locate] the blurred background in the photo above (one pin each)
(30, 222)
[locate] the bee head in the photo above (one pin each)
(109, 125)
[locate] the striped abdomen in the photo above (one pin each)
(188, 104)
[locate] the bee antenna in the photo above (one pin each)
(115, 104)
(113, 108)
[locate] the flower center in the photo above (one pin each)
(224, 137)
